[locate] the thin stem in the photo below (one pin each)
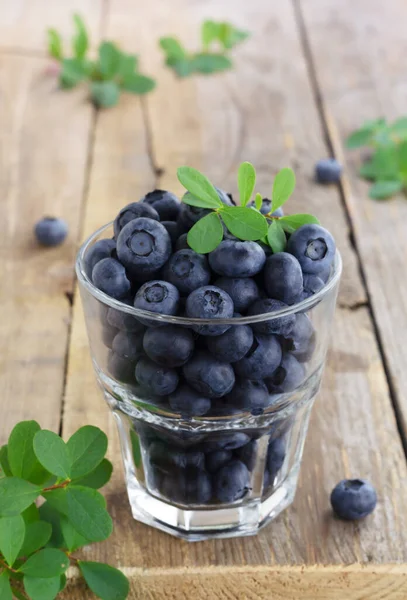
(58, 486)
(7, 567)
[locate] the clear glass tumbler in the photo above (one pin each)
(230, 471)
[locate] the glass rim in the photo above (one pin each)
(302, 306)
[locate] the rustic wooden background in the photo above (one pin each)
(312, 71)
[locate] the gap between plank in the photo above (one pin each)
(324, 121)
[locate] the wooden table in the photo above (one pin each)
(312, 71)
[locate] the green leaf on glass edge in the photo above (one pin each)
(258, 201)
(244, 223)
(292, 222)
(87, 447)
(105, 581)
(21, 455)
(73, 539)
(53, 517)
(16, 495)
(283, 187)
(48, 562)
(87, 513)
(5, 470)
(54, 44)
(210, 63)
(105, 94)
(110, 57)
(53, 453)
(276, 237)
(135, 445)
(206, 234)
(97, 478)
(80, 42)
(73, 71)
(361, 137)
(37, 535)
(42, 588)
(5, 589)
(138, 84)
(173, 48)
(199, 186)
(385, 189)
(246, 180)
(12, 532)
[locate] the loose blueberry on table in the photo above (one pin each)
(207, 259)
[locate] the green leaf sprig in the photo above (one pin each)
(246, 222)
(387, 165)
(111, 73)
(37, 544)
(217, 38)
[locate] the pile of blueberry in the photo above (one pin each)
(207, 369)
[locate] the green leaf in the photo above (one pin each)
(244, 223)
(42, 589)
(16, 495)
(31, 514)
(258, 201)
(87, 448)
(87, 513)
(402, 158)
(58, 500)
(138, 84)
(110, 58)
(54, 44)
(99, 477)
(62, 582)
(276, 237)
(52, 516)
(399, 127)
(199, 186)
(5, 470)
(12, 532)
(73, 71)
(292, 222)
(385, 189)
(183, 67)
(246, 180)
(385, 162)
(367, 170)
(230, 36)
(53, 453)
(172, 48)
(192, 200)
(128, 64)
(5, 589)
(46, 563)
(283, 187)
(135, 445)
(210, 32)
(37, 535)
(80, 42)
(361, 137)
(73, 539)
(105, 581)
(22, 459)
(105, 93)
(206, 234)
(210, 63)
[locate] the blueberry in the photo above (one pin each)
(165, 457)
(353, 499)
(165, 203)
(243, 291)
(128, 345)
(266, 208)
(313, 246)
(143, 246)
(225, 197)
(209, 302)
(122, 320)
(328, 170)
(172, 228)
(247, 454)
(237, 259)
(287, 377)
(187, 270)
(198, 489)
(312, 285)
(275, 456)
(262, 359)
(283, 278)
(225, 441)
(159, 297)
(51, 231)
(159, 380)
(189, 215)
(232, 481)
(232, 345)
(108, 334)
(100, 250)
(132, 211)
(209, 376)
(216, 460)
(325, 273)
(188, 402)
(121, 368)
(266, 481)
(110, 276)
(250, 395)
(278, 325)
(301, 340)
(182, 243)
(169, 346)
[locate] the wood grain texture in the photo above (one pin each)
(363, 77)
(23, 23)
(263, 112)
(43, 149)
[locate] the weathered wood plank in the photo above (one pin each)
(43, 148)
(363, 77)
(23, 23)
(263, 112)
